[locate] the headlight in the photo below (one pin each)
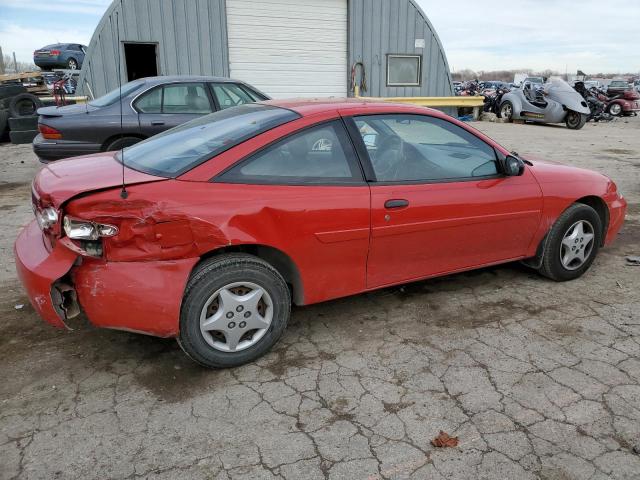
(85, 230)
(47, 217)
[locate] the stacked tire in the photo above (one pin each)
(18, 114)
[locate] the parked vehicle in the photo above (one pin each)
(622, 104)
(598, 108)
(552, 102)
(536, 80)
(617, 87)
(60, 55)
(149, 106)
(229, 219)
(493, 100)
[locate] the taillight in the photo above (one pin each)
(49, 133)
(55, 52)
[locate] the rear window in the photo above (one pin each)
(114, 95)
(180, 149)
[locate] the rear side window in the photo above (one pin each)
(231, 95)
(180, 149)
(319, 155)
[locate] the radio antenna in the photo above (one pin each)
(123, 193)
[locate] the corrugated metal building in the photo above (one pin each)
(286, 48)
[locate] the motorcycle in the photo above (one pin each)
(552, 102)
(598, 108)
(492, 101)
(626, 103)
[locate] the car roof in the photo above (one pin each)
(313, 106)
(187, 78)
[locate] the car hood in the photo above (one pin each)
(547, 171)
(66, 110)
(62, 180)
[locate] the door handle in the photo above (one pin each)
(396, 203)
(157, 123)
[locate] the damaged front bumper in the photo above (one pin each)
(143, 297)
(40, 270)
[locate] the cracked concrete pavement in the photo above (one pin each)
(538, 380)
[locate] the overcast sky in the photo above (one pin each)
(593, 35)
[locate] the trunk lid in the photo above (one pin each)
(64, 179)
(77, 109)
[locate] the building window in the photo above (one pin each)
(404, 70)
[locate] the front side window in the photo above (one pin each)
(317, 155)
(185, 98)
(231, 95)
(180, 149)
(421, 148)
(403, 70)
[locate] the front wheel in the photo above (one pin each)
(72, 64)
(572, 243)
(235, 308)
(575, 120)
(506, 111)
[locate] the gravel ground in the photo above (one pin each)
(537, 379)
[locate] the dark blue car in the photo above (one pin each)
(60, 55)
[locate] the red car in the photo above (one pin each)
(228, 220)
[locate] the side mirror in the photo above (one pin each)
(513, 166)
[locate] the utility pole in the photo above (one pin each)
(15, 63)
(1, 62)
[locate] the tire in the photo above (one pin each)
(24, 105)
(19, 138)
(553, 265)
(24, 123)
(120, 143)
(575, 120)
(72, 64)
(615, 109)
(229, 272)
(505, 114)
(8, 91)
(4, 116)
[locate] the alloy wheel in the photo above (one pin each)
(577, 245)
(236, 316)
(506, 111)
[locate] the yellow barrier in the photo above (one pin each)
(76, 98)
(469, 102)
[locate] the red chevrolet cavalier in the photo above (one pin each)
(231, 218)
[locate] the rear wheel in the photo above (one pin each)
(615, 109)
(572, 244)
(120, 143)
(575, 120)
(235, 308)
(506, 111)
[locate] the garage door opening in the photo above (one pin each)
(141, 60)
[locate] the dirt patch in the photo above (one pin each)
(6, 186)
(167, 373)
(620, 151)
(281, 361)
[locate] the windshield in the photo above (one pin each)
(558, 85)
(182, 148)
(114, 95)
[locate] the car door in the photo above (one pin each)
(167, 106)
(305, 195)
(439, 203)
